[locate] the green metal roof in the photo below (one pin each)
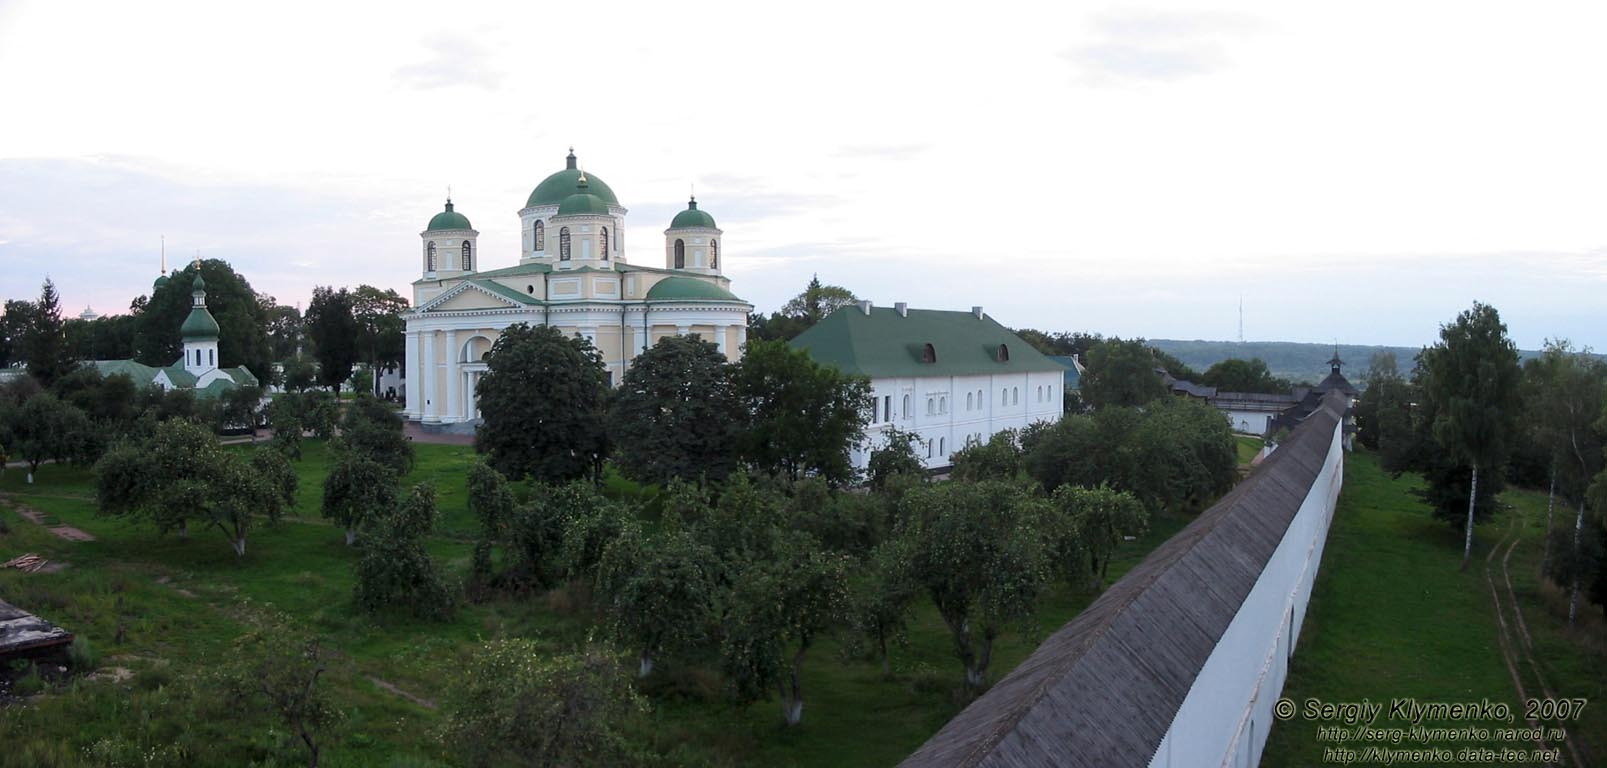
(692, 218)
(161, 280)
(886, 344)
(448, 219)
(553, 189)
(684, 288)
(514, 271)
(583, 204)
(200, 325)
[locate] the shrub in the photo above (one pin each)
(82, 655)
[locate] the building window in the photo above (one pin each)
(968, 404)
(928, 354)
(929, 449)
(1004, 353)
(931, 407)
(1015, 395)
(941, 446)
(887, 408)
(1004, 397)
(906, 411)
(539, 231)
(530, 289)
(210, 360)
(943, 405)
(680, 254)
(1040, 393)
(714, 254)
(604, 242)
(429, 258)
(979, 399)
(563, 243)
(468, 251)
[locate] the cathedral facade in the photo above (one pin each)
(572, 274)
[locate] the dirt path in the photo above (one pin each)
(1520, 642)
(38, 518)
(388, 686)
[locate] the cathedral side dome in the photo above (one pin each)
(688, 289)
(692, 218)
(448, 219)
(554, 189)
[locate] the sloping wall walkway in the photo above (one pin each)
(1180, 661)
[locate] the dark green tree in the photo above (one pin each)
(676, 414)
(1472, 379)
(395, 569)
(380, 330)
(44, 345)
(373, 430)
(658, 591)
(276, 668)
(47, 429)
(882, 598)
(1235, 375)
(817, 301)
(1569, 400)
(894, 457)
(242, 325)
(299, 374)
(803, 417)
(1121, 373)
(357, 491)
(284, 330)
(997, 459)
(14, 327)
(979, 551)
(332, 327)
(1101, 519)
(541, 399)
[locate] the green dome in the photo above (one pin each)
(555, 188)
(199, 326)
(161, 280)
(683, 288)
(692, 218)
(448, 219)
(198, 284)
(583, 204)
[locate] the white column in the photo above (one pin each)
(454, 405)
(414, 376)
(719, 337)
(432, 400)
(682, 330)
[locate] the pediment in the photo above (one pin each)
(468, 296)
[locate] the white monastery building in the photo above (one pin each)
(951, 378)
(572, 274)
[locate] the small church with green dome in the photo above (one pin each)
(198, 369)
(573, 274)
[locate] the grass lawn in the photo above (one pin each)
(1392, 616)
(181, 603)
(1248, 447)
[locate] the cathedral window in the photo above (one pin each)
(941, 444)
(714, 254)
(604, 243)
(429, 260)
(1015, 395)
(563, 243)
(539, 232)
(680, 254)
(887, 408)
(467, 256)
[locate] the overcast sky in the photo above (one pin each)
(1356, 171)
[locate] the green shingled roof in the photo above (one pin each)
(199, 325)
(448, 219)
(521, 269)
(688, 288)
(886, 344)
(692, 218)
(553, 189)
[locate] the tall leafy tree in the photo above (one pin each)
(44, 428)
(776, 608)
(110, 337)
(396, 569)
(14, 326)
(882, 597)
(659, 591)
(1472, 378)
(381, 332)
(357, 491)
(333, 329)
(817, 301)
(1235, 375)
(803, 417)
(45, 342)
(242, 326)
(1101, 518)
(541, 399)
(1570, 398)
(676, 413)
(1121, 373)
(979, 551)
(997, 459)
(895, 457)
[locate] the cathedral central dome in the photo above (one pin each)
(553, 189)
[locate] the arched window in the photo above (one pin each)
(931, 407)
(1040, 393)
(1004, 397)
(429, 258)
(604, 243)
(906, 411)
(928, 354)
(468, 257)
(540, 233)
(929, 449)
(943, 405)
(714, 254)
(563, 243)
(1004, 353)
(940, 446)
(979, 398)
(680, 254)
(968, 404)
(210, 359)
(1015, 395)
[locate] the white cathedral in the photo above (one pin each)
(573, 275)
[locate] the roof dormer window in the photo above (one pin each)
(928, 354)
(1004, 353)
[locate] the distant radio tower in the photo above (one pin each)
(1241, 318)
